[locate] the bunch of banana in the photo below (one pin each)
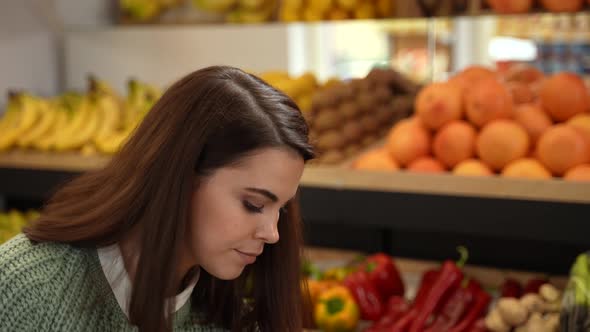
(145, 10)
(252, 11)
(240, 11)
(140, 99)
(22, 114)
(215, 6)
(63, 110)
(99, 120)
(12, 222)
(318, 10)
(299, 88)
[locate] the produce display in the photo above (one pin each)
(97, 121)
(300, 88)
(517, 124)
(145, 10)
(240, 11)
(525, 6)
(536, 308)
(349, 116)
(100, 120)
(231, 11)
(575, 315)
(320, 10)
(369, 294)
(12, 222)
(257, 11)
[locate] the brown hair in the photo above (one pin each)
(208, 119)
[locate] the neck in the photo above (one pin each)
(130, 247)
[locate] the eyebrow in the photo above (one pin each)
(264, 192)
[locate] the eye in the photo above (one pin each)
(252, 208)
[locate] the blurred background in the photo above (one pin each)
(437, 123)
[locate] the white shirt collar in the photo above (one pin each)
(114, 270)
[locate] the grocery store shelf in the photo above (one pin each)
(339, 178)
(66, 162)
(447, 185)
(326, 258)
(413, 215)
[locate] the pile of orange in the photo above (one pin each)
(519, 123)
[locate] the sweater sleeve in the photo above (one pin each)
(25, 285)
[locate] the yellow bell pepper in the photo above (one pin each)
(317, 287)
(336, 310)
(337, 273)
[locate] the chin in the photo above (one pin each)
(226, 273)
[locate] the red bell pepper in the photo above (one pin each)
(533, 285)
(455, 308)
(365, 294)
(511, 288)
(449, 278)
(384, 275)
(479, 307)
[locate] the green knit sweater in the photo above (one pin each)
(58, 287)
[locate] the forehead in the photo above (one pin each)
(274, 169)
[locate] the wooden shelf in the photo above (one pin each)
(489, 277)
(447, 185)
(66, 162)
(500, 219)
(339, 178)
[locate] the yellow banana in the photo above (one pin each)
(9, 120)
(78, 136)
(216, 6)
(45, 142)
(88, 149)
(262, 13)
(42, 127)
(111, 117)
(113, 143)
(26, 119)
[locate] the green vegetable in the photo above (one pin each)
(580, 277)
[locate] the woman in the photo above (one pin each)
(192, 206)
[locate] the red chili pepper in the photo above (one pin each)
(365, 294)
(533, 285)
(455, 308)
(384, 275)
(511, 288)
(404, 322)
(428, 279)
(479, 307)
(397, 306)
(450, 277)
(479, 326)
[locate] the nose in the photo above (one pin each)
(268, 231)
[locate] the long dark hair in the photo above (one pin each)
(208, 119)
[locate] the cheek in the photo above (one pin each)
(218, 224)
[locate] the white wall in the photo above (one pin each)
(163, 54)
(31, 32)
(27, 49)
(472, 37)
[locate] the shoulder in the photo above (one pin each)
(32, 276)
(22, 259)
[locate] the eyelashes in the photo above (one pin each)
(252, 208)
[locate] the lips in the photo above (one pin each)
(247, 257)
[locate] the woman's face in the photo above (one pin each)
(235, 210)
